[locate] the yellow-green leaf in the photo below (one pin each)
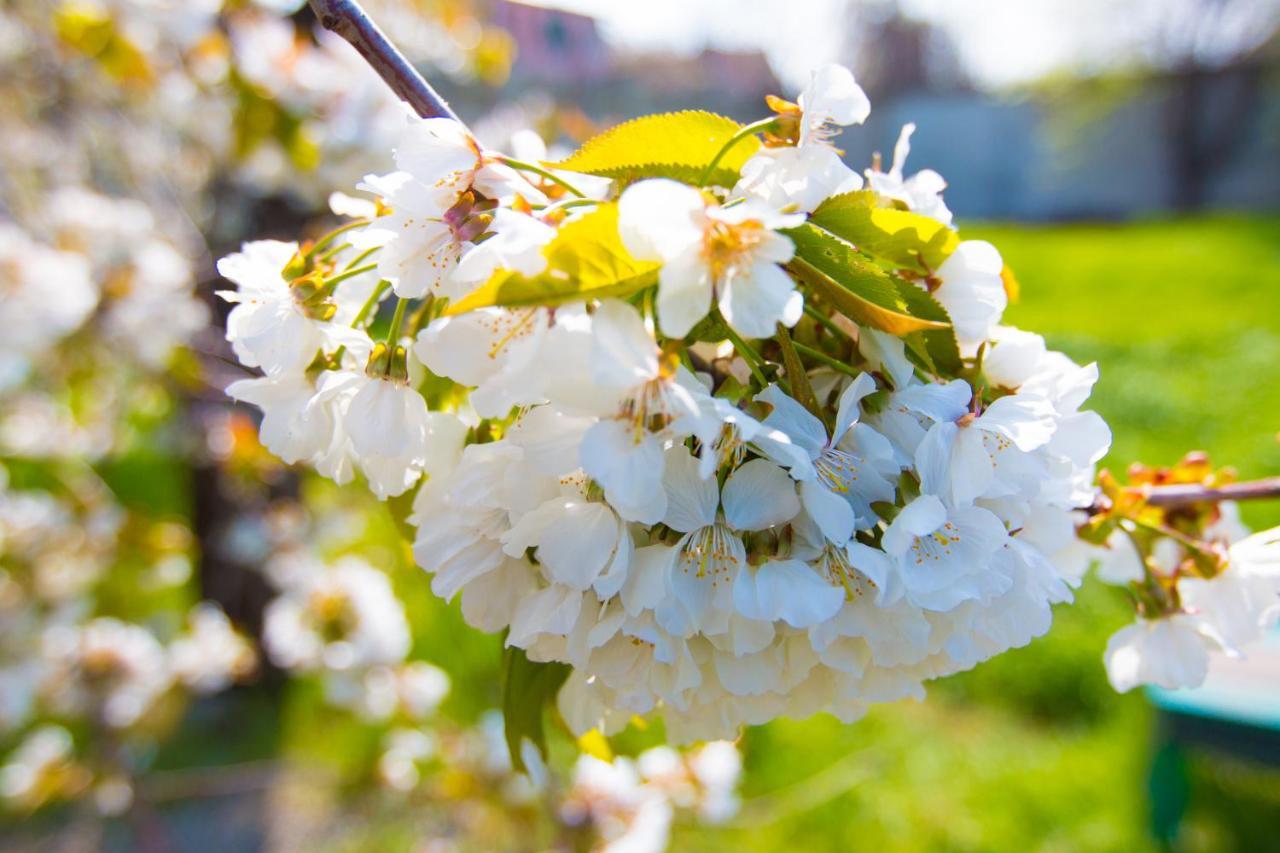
(860, 289)
(585, 260)
(670, 145)
(900, 238)
(92, 32)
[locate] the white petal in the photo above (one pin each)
(759, 495)
(659, 219)
(920, 517)
(832, 513)
(684, 293)
(553, 610)
(788, 590)
(629, 470)
(972, 470)
(623, 352)
(646, 583)
(435, 148)
(794, 419)
(850, 399)
(754, 302)
(834, 94)
(933, 458)
(1027, 420)
(692, 499)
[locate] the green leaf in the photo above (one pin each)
(527, 688)
(670, 145)
(937, 349)
(900, 238)
(585, 260)
(860, 289)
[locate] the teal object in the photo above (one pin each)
(1236, 711)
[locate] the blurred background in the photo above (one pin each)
(1123, 155)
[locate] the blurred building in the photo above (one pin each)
(1105, 148)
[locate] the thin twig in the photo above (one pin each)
(348, 20)
(1186, 494)
(1181, 495)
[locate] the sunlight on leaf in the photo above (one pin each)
(586, 260)
(671, 145)
(901, 238)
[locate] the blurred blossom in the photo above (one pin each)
(212, 655)
(41, 769)
(106, 669)
(403, 751)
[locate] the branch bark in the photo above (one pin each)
(1188, 494)
(1181, 495)
(347, 19)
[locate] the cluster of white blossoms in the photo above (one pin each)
(343, 622)
(1213, 590)
(70, 660)
(631, 803)
(147, 285)
(733, 448)
(94, 298)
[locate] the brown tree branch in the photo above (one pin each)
(348, 20)
(1186, 494)
(1181, 495)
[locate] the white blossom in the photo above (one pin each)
(1168, 652)
(269, 327)
(921, 193)
(972, 291)
(727, 255)
(803, 176)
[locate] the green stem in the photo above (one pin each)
(332, 253)
(348, 273)
(821, 357)
(538, 170)
(749, 130)
(362, 256)
(335, 233)
(397, 319)
(749, 355)
(370, 303)
(1176, 535)
(826, 322)
(568, 203)
(422, 315)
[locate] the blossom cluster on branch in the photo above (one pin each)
(735, 433)
(1200, 583)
